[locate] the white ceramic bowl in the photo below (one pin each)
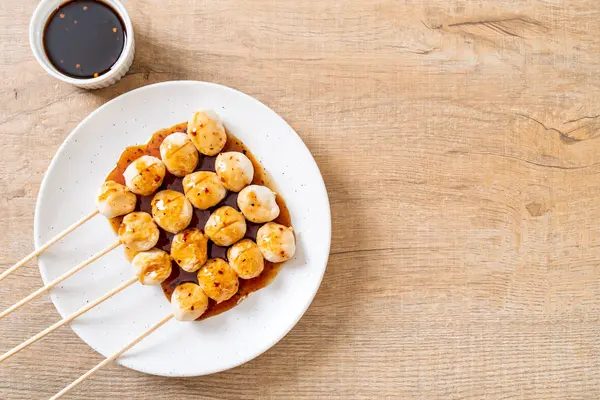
(117, 71)
(178, 348)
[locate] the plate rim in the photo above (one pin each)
(327, 224)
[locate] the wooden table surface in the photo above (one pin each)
(459, 141)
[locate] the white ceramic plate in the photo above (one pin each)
(178, 348)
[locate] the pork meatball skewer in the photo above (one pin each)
(179, 154)
(171, 210)
(235, 170)
(113, 200)
(152, 268)
(203, 189)
(145, 175)
(218, 280)
(189, 249)
(276, 242)
(137, 232)
(258, 204)
(188, 303)
(207, 133)
(225, 226)
(246, 259)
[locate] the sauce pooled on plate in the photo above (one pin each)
(200, 217)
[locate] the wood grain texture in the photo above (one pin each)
(459, 141)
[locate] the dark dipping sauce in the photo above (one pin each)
(200, 217)
(84, 38)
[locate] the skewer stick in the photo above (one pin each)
(111, 358)
(58, 280)
(48, 244)
(66, 320)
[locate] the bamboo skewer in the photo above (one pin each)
(66, 320)
(48, 244)
(58, 280)
(111, 358)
